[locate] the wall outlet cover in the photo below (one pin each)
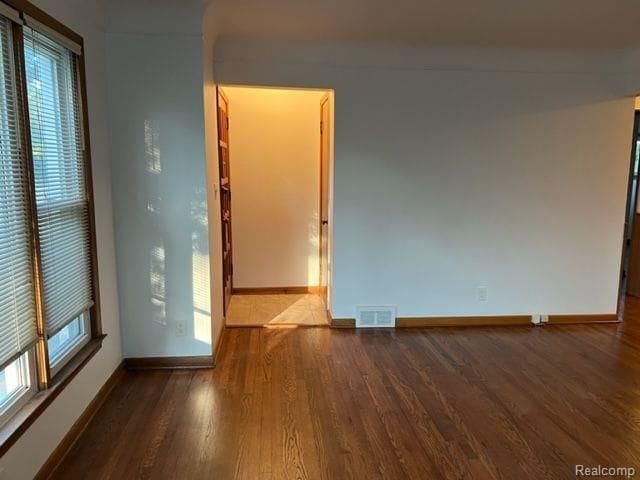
(483, 294)
(180, 328)
(539, 319)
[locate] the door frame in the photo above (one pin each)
(329, 95)
(220, 93)
(629, 216)
(325, 143)
(328, 98)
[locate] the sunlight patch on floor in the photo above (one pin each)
(289, 309)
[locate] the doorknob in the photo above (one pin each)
(325, 222)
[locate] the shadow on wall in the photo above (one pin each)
(171, 271)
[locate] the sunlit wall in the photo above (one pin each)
(159, 192)
(462, 168)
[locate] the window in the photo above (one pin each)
(64, 344)
(18, 330)
(47, 259)
(17, 385)
(58, 164)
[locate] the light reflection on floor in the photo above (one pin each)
(289, 309)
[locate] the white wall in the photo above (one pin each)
(27, 455)
(503, 169)
(212, 172)
(159, 188)
(275, 175)
(165, 164)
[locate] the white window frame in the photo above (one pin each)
(20, 398)
(73, 348)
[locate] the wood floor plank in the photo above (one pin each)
(316, 403)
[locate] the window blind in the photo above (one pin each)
(53, 34)
(17, 298)
(61, 196)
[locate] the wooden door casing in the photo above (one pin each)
(324, 195)
(630, 276)
(225, 195)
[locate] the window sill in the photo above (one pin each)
(24, 418)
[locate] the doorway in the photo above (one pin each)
(630, 272)
(323, 228)
(225, 196)
(275, 161)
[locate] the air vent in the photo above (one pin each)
(369, 317)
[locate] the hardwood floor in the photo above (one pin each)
(276, 309)
(490, 402)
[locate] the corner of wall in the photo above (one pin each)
(210, 120)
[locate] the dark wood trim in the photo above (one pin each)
(466, 321)
(343, 323)
(95, 312)
(44, 18)
(629, 222)
(19, 423)
(162, 363)
(218, 346)
(484, 321)
(630, 218)
(41, 348)
(582, 319)
(276, 290)
(631, 283)
(224, 193)
(80, 425)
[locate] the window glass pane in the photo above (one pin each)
(17, 311)
(60, 343)
(61, 196)
(13, 380)
(56, 156)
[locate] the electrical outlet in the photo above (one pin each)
(539, 319)
(483, 294)
(180, 328)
